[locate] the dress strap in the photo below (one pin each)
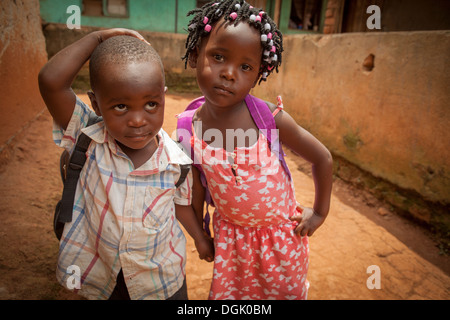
(279, 106)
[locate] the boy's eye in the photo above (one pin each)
(120, 107)
(151, 106)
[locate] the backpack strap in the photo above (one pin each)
(184, 172)
(76, 163)
(264, 119)
(184, 135)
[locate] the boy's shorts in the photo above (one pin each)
(120, 292)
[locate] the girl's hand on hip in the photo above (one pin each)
(308, 221)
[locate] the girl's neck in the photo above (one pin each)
(222, 113)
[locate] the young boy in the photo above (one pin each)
(123, 237)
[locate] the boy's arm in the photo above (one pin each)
(56, 77)
(312, 150)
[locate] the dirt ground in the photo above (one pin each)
(360, 232)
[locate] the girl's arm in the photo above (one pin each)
(56, 77)
(198, 195)
(312, 150)
(204, 244)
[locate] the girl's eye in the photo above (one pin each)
(246, 67)
(151, 106)
(218, 57)
(120, 107)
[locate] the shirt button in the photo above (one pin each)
(233, 155)
(234, 166)
(238, 179)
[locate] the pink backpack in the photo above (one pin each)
(264, 120)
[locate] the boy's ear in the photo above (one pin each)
(94, 103)
(193, 56)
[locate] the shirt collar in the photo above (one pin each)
(167, 152)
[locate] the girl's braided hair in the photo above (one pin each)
(235, 11)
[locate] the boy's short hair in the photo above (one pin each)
(121, 50)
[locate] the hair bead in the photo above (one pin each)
(207, 16)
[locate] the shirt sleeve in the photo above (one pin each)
(67, 138)
(183, 194)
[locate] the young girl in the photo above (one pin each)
(261, 243)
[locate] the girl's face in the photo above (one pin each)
(131, 99)
(228, 63)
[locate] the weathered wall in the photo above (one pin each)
(22, 55)
(389, 117)
(170, 46)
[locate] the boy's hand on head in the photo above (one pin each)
(106, 34)
(308, 221)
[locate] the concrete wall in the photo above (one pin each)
(22, 55)
(170, 46)
(379, 100)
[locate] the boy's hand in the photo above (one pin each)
(205, 248)
(308, 221)
(106, 34)
(56, 77)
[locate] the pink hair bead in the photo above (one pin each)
(205, 20)
(258, 18)
(233, 15)
(208, 28)
(269, 35)
(273, 49)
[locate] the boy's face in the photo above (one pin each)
(228, 63)
(130, 98)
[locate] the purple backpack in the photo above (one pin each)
(264, 120)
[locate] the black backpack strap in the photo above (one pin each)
(76, 163)
(184, 172)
